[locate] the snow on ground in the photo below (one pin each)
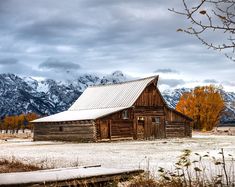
(124, 154)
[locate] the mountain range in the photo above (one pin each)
(45, 97)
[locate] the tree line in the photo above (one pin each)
(15, 123)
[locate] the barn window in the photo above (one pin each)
(156, 120)
(61, 129)
(125, 114)
(140, 118)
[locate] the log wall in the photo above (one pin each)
(65, 131)
(121, 129)
(114, 126)
(114, 129)
(177, 125)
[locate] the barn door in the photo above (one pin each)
(140, 127)
(158, 127)
(104, 130)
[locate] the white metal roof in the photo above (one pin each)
(99, 101)
(79, 115)
(111, 96)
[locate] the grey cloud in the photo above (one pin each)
(228, 83)
(8, 61)
(210, 81)
(120, 27)
(165, 70)
(133, 36)
(51, 31)
(19, 69)
(22, 69)
(118, 24)
(52, 63)
(90, 23)
(171, 82)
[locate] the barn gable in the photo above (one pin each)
(150, 97)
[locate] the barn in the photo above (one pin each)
(129, 110)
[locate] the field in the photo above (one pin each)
(125, 154)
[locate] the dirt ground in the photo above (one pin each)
(125, 154)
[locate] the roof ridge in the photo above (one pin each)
(126, 82)
(97, 108)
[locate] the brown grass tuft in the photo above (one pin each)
(142, 181)
(13, 165)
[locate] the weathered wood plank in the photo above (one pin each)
(66, 176)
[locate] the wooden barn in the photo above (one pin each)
(129, 110)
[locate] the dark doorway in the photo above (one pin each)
(140, 127)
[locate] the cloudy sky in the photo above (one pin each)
(60, 39)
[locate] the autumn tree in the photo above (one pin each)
(10, 123)
(1, 124)
(16, 122)
(30, 117)
(22, 122)
(204, 105)
(212, 22)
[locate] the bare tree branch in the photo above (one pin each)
(211, 17)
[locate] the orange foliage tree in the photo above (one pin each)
(17, 122)
(204, 105)
(10, 122)
(30, 117)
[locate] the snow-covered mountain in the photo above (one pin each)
(44, 97)
(22, 95)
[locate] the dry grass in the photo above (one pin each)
(142, 181)
(193, 173)
(13, 165)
